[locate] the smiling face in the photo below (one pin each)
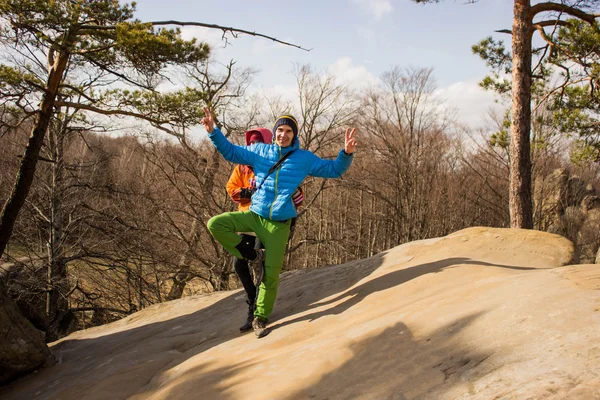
(284, 136)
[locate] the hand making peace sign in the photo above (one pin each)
(209, 119)
(351, 142)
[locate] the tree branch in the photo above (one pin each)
(544, 35)
(78, 91)
(575, 12)
(111, 71)
(40, 158)
(226, 29)
(551, 22)
(155, 123)
(87, 107)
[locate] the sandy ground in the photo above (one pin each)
(480, 314)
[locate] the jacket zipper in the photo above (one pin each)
(276, 181)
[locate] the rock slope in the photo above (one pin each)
(480, 314)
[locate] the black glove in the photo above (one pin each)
(246, 193)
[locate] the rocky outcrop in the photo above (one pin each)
(24, 280)
(588, 237)
(566, 205)
(480, 314)
(551, 197)
(22, 347)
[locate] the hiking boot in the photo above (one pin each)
(258, 267)
(260, 327)
(248, 325)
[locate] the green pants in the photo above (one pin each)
(273, 235)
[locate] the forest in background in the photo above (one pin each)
(132, 207)
(115, 218)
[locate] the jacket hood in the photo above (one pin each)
(266, 134)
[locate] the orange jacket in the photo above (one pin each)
(241, 177)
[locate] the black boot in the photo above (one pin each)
(248, 325)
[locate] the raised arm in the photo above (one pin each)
(336, 168)
(229, 151)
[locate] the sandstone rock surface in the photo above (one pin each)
(480, 314)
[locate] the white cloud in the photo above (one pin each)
(274, 98)
(471, 102)
(378, 8)
(357, 76)
(344, 71)
(285, 93)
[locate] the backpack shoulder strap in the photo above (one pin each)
(278, 163)
(274, 167)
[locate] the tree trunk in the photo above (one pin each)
(15, 201)
(520, 204)
(358, 254)
(183, 274)
(321, 231)
(57, 304)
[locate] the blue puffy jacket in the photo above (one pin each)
(273, 199)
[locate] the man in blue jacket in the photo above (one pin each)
(272, 207)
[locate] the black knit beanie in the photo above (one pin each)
(286, 120)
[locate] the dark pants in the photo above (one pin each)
(241, 265)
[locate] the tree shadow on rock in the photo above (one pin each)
(393, 364)
(300, 290)
(380, 283)
(85, 364)
(396, 365)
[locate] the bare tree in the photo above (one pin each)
(407, 133)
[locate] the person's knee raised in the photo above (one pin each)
(212, 223)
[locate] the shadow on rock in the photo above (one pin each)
(396, 365)
(383, 282)
(393, 364)
(87, 364)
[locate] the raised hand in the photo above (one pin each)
(351, 142)
(209, 119)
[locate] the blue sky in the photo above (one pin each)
(355, 39)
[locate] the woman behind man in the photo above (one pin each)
(240, 187)
(272, 208)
